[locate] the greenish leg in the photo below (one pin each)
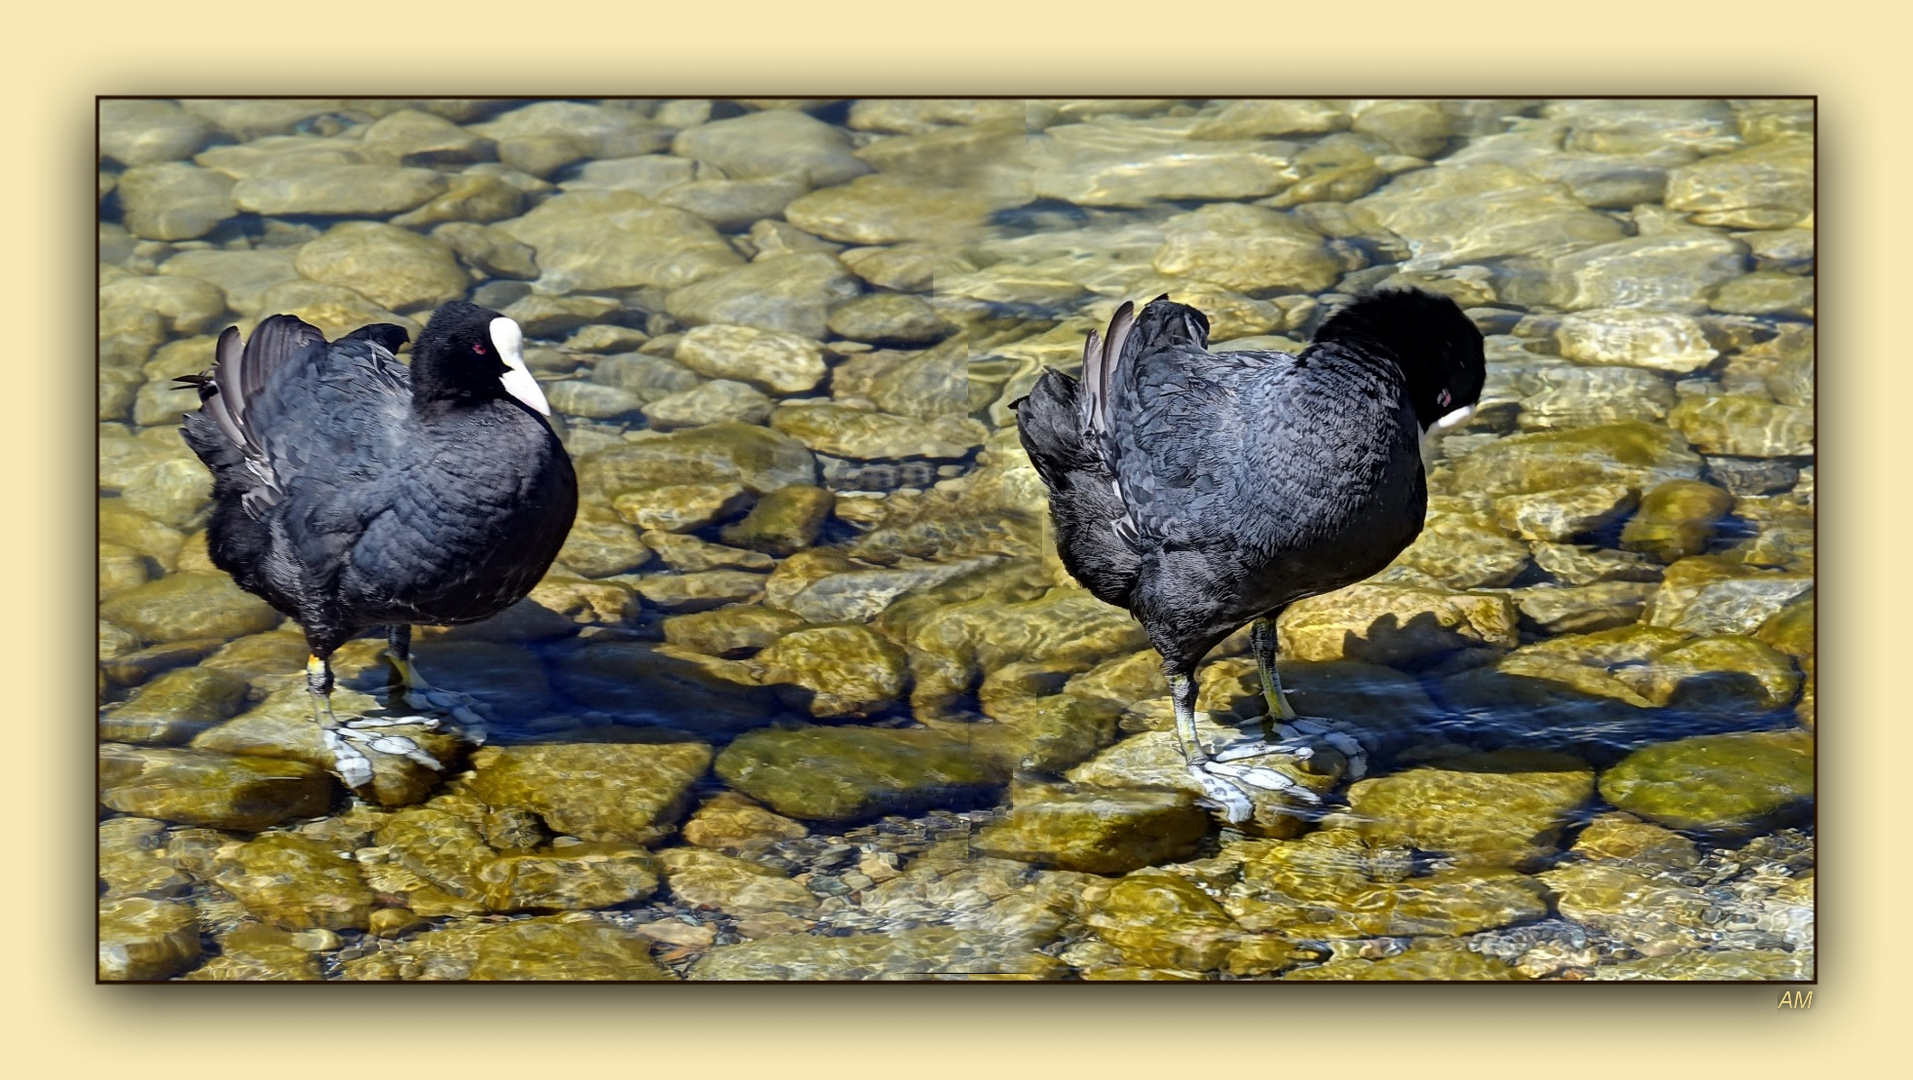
(418, 693)
(1262, 640)
(398, 642)
(1182, 693)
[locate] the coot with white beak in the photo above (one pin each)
(350, 492)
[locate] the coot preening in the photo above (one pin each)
(350, 492)
(1204, 490)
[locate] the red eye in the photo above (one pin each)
(479, 349)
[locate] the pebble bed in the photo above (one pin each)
(808, 694)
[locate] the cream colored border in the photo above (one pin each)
(59, 1023)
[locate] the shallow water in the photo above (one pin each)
(809, 696)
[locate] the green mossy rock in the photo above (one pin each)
(295, 882)
(1390, 624)
(144, 939)
(775, 361)
(713, 402)
(682, 507)
(257, 952)
(174, 707)
(709, 879)
(688, 554)
(1504, 808)
(430, 858)
(667, 685)
(564, 951)
(836, 672)
(784, 521)
(1745, 426)
(1566, 513)
(1634, 454)
(727, 821)
(888, 318)
(1707, 594)
(569, 877)
(700, 591)
(868, 435)
(1676, 520)
(554, 948)
(1715, 783)
(133, 861)
(1602, 606)
(1049, 733)
(1098, 831)
(1765, 186)
(1335, 884)
(759, 458)
(394, 267)
(848, 774)
(632, 791)
(596, 240)
(1642, 905)
(180, 606)
(732, 631)
(1736, 675)
(137, 666)
(195, 787)
(1659, 341)
(1623, 837)
(786, 295)
(1163, 920)
(1466, 550)
(282, 727)
(1247, 248)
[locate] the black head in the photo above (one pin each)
(470, 354)
(1437, 347)
(1163, 322)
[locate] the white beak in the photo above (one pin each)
(517, 378)
(1431, 439)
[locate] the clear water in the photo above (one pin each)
(898, 742)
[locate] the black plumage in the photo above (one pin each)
(350, 492)
(1202, 491)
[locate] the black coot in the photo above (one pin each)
(350, 492)
(1204, 490)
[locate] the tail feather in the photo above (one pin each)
(1085, 502)
(1100, 356)
(275, 343)
(222, 432)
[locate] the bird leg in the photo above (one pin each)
(348, 740)
(350, 762)
(421, 694)
(1299, 736)
(1226, 786)
(1262, 641)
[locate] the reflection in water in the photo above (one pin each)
(808, 694)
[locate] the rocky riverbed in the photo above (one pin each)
(808, 694)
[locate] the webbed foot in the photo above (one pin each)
(1232, 788)
(1298, 738)
(349, 740)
